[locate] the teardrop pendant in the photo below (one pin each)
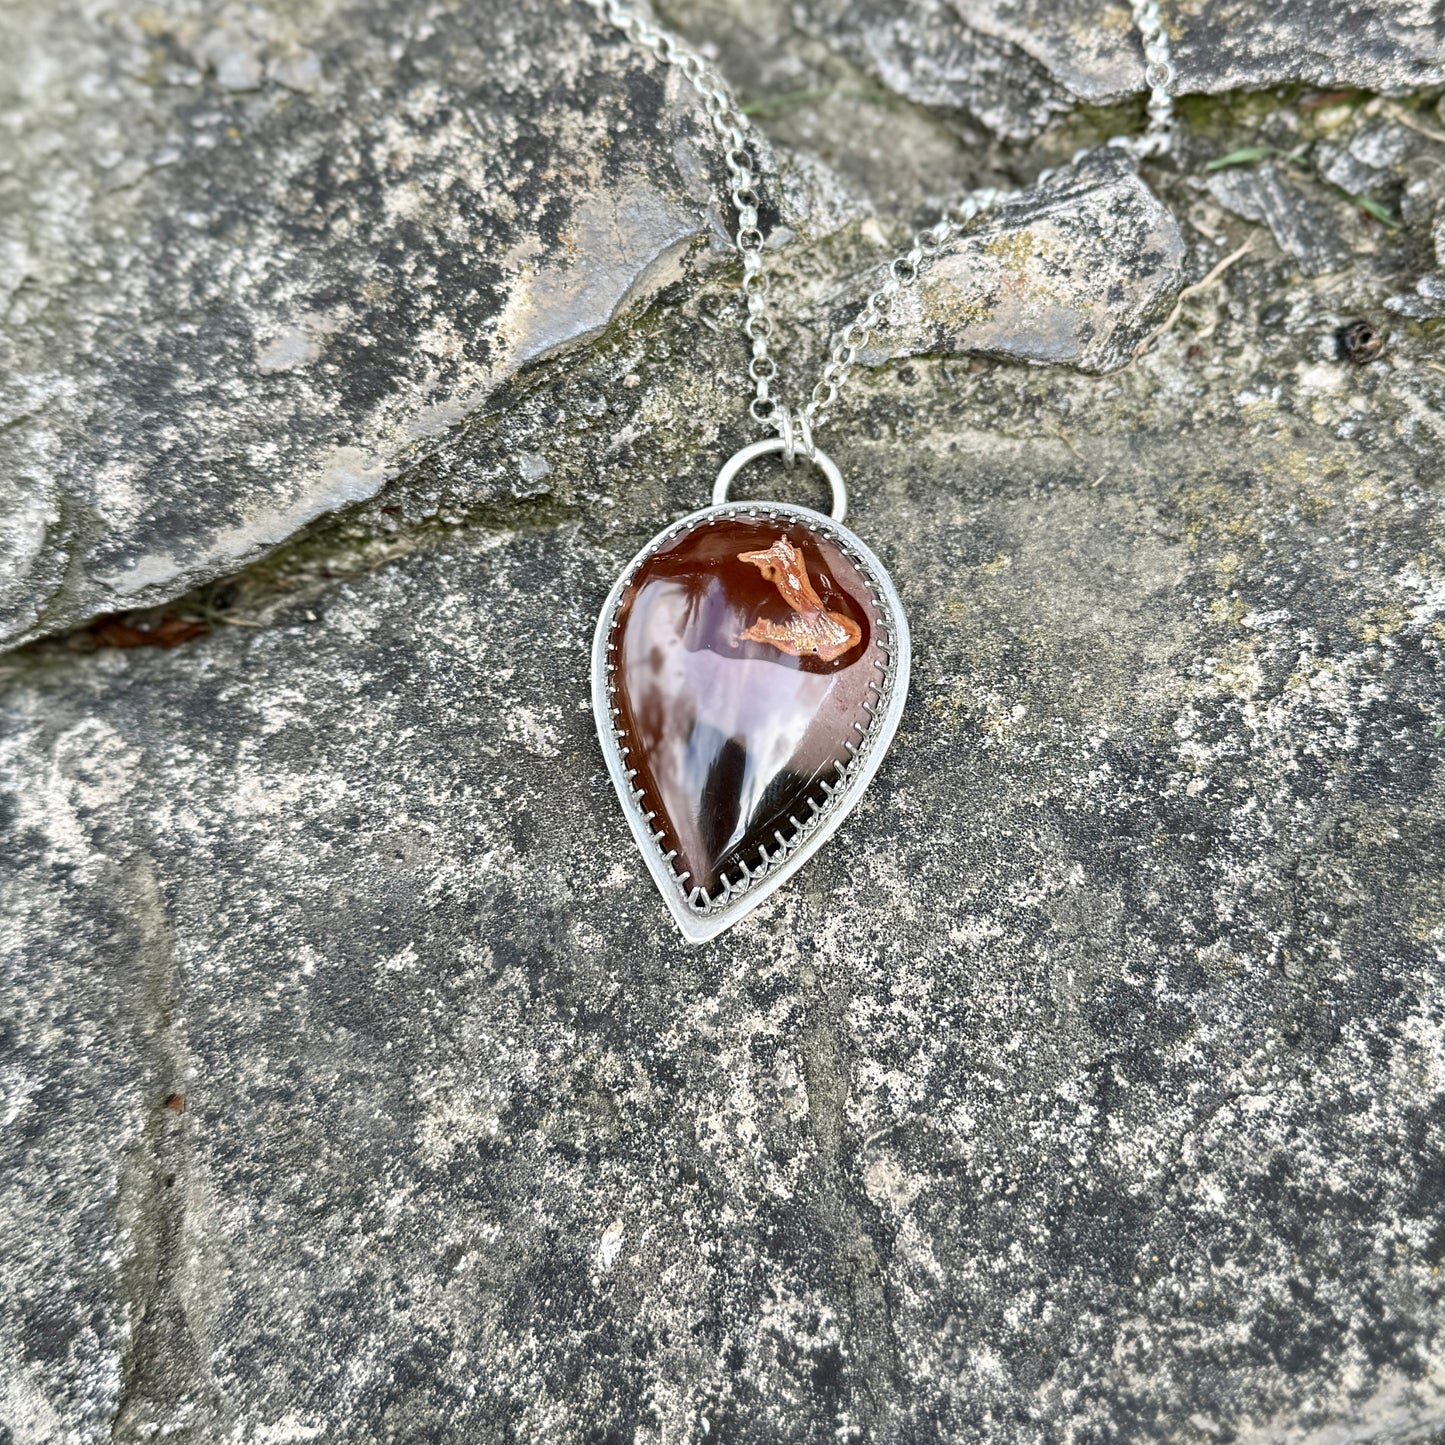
(748, 673)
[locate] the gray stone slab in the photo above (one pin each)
(251, 265)
(1075, 272)
(1371, 158)
(355, 1086)
(1428, 298)
(79, 1074)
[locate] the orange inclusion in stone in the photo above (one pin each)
(810, 627)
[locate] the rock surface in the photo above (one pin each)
(1091, 1086)
(1075, 273)
(1015, 65)
(198, 363)
(1091, 1083)
(1303, 226)
(254, 269)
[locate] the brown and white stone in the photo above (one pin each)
(748, 654)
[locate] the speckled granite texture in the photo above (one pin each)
(356, 1087)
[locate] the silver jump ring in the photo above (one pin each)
(805, 435)
(797, 435)
(785, 435)
(767, 447)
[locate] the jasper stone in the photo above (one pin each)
(745, 650)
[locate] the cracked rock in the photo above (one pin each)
(1369, 160)
(1100, 1047)
(1303, 225)
(1428, 298)
(1074, 272)
(356, 1086)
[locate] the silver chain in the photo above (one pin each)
(731, 126)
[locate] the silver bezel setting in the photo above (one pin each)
(702, 921)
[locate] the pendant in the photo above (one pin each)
(749, 669)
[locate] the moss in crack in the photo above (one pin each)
(1215, 117)
(1085, 127)
(329, 553)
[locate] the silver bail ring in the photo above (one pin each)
(766, 447)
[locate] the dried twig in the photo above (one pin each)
(1189, 291)
(1399, 113)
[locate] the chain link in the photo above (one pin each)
(731, 127)
(1159, 76)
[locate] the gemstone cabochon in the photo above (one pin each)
(748, 659)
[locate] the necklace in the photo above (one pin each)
(750, 665)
